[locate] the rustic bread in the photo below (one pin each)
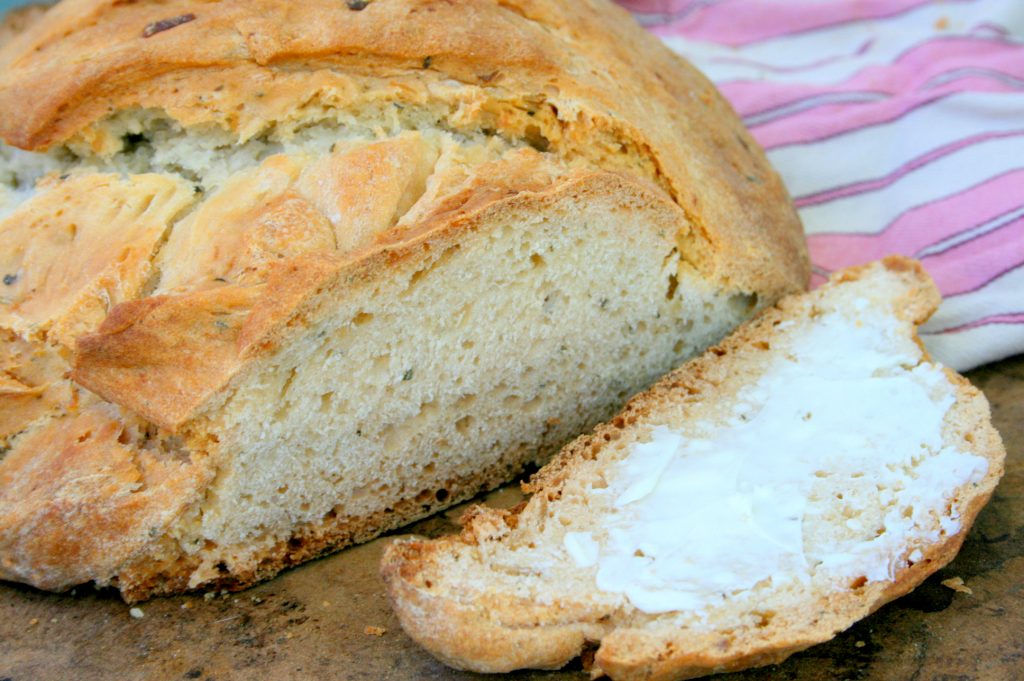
(758, 500)
(279, 276)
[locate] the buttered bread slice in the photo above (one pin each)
(758, 500)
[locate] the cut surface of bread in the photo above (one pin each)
(756, 501)
(278, 276)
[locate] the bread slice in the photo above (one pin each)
(758, 500)
(280, 276)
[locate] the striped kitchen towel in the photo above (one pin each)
(898, 126)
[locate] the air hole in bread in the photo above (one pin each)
(533, 404)
(464, 424)
(536, 139)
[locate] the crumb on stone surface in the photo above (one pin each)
(374, 631)
(136, 613)
(957, 584)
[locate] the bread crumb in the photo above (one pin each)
(859, 644)
(325, 604)
(137, 613)
(957, 584)
(33, 622)
(374, 631)
(186, 606)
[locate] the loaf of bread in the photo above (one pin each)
(758, 500)
(279, 276)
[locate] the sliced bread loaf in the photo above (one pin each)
(278, 276)
(758, 500)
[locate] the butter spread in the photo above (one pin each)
(832, 465)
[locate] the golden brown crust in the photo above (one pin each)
(83, 246)
(80, 497)
(32, 384)
(511, 631)
(164, 355)
(595, 84)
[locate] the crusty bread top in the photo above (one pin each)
(578, 78)
(503, 594)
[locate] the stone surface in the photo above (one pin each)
(311, 622)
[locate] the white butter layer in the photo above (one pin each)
(845, 430)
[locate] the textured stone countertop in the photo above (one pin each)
(311, 622)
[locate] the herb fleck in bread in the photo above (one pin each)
(286, 275)
(758, 500)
